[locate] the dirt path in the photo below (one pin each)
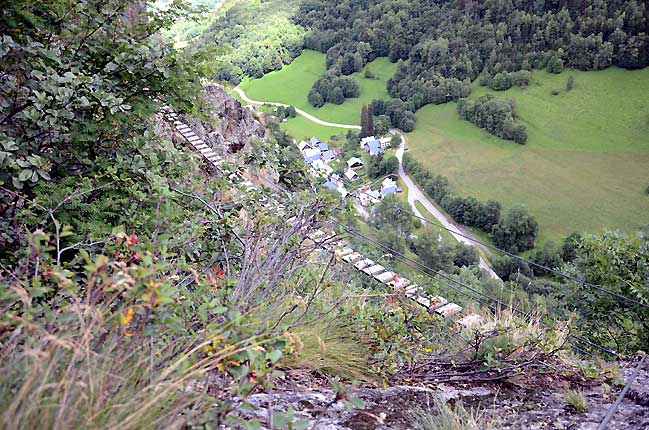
(299, 111)
(414, 193)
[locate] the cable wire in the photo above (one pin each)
(509, 254)
(500, 304)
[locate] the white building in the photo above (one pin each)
(351, 175)
(322, 169)
(354, 163)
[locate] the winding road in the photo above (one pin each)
(299, 111)
(414, 192)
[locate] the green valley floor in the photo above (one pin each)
(585, 166)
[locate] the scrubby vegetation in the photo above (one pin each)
(144, 288)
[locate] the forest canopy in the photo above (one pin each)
(450, 43)
(252, 38)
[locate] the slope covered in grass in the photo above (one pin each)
(585, 166)
(292, 84)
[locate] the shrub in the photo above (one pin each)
(570, 83)
(315, 98)
(465, 255)
(555, 92)
(396, 141)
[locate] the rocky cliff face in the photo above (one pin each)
(231, 126)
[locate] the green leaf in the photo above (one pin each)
(219, 310)
(252, 425)
(300, 425)
(273, 356)
(24, 175)
(279, 420)
(358, 403)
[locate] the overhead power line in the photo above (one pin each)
(426, 271)
(554, 271)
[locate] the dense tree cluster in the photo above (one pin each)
(367, 122)
(465, 210)
(382, 165)
(516, 232)
(448, 44)
(395, 112)
(284, 112)
(251, 38)
(495, 115)
(333, 89)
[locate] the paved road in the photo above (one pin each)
(414, 193)
(299, 111)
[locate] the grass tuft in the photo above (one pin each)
(329, 347)
(576, 400)
(443, 416)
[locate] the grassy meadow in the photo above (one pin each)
(585, 166)
(292, 84)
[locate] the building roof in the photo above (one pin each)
(353, 161)
(336, 180)
(387, 191)
(350, 174)
(388, 182)
(314, 140)
(373, 194)
(311, 154)
(367, 139)
(323, 146)
(330, 185)
(303, 145)
(328, 155)
(320, 165)
(373, 147)
(388, 186)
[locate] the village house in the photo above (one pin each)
(330, 185)
(388, 186)
(302, 145)
(336, 180)
(311, 154)
(385, 142)
(354, 163)
(321, 168)
(373, 147)
(367, 197)
(351, 175)
(328, 155)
